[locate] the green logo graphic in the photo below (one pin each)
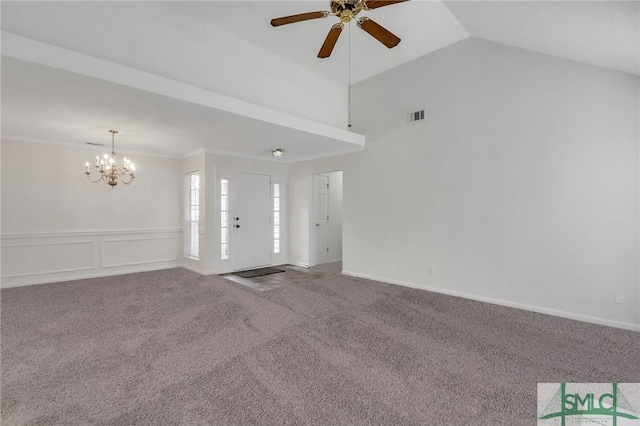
(609, 405)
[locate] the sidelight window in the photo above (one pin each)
(224, 219)
(276, 218)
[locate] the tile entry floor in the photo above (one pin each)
(292, 274)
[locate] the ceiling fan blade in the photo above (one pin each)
(298, 18)
(379, 32)
(374, 4)
(330, 41)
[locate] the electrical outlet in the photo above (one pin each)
(619, 297)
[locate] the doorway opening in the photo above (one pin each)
(326, 219)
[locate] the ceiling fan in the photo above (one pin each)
(346, 10)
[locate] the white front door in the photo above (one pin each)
(320, 213)
(251, 221)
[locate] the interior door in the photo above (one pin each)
(321, 217)
(251, 221)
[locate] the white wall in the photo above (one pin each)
(301, 202)
(175, 45)
(520, 188)
(335, 216)
(57, 226)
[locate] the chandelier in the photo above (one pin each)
(109, 171)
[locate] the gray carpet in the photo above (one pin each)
(171, 347)
(334, 267)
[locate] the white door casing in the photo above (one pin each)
(320, 217)
(251, 221)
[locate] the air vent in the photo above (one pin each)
(416, 115)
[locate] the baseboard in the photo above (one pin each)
(300, 264)
(525, 307)
(191, 267)
(47, 279)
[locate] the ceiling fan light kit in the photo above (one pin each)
(346, 11)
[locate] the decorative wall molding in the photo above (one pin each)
(89, 233)
(38, 258)
(18, 259)
(85, 147)
(141, 251)
(525, 307)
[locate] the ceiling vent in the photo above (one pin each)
(416, 116)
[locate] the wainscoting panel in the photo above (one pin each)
(40, 258)
(138, 251)
(44, 258)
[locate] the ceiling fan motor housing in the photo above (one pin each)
(346, 10)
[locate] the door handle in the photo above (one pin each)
(237, 226)
(317, 224)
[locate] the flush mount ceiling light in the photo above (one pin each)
(109, 171)
(277, 152)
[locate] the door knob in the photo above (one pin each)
(237, 226)
(317, 224)
(237, 218)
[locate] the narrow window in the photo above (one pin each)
(224, 219)
(193, 236)
(276, 218)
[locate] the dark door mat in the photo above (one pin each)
(258, 272)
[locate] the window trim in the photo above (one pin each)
(189, 222)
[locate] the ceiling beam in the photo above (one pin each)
(29, 50)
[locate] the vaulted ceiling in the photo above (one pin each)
(175, 77)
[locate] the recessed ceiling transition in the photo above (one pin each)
(176, 77)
